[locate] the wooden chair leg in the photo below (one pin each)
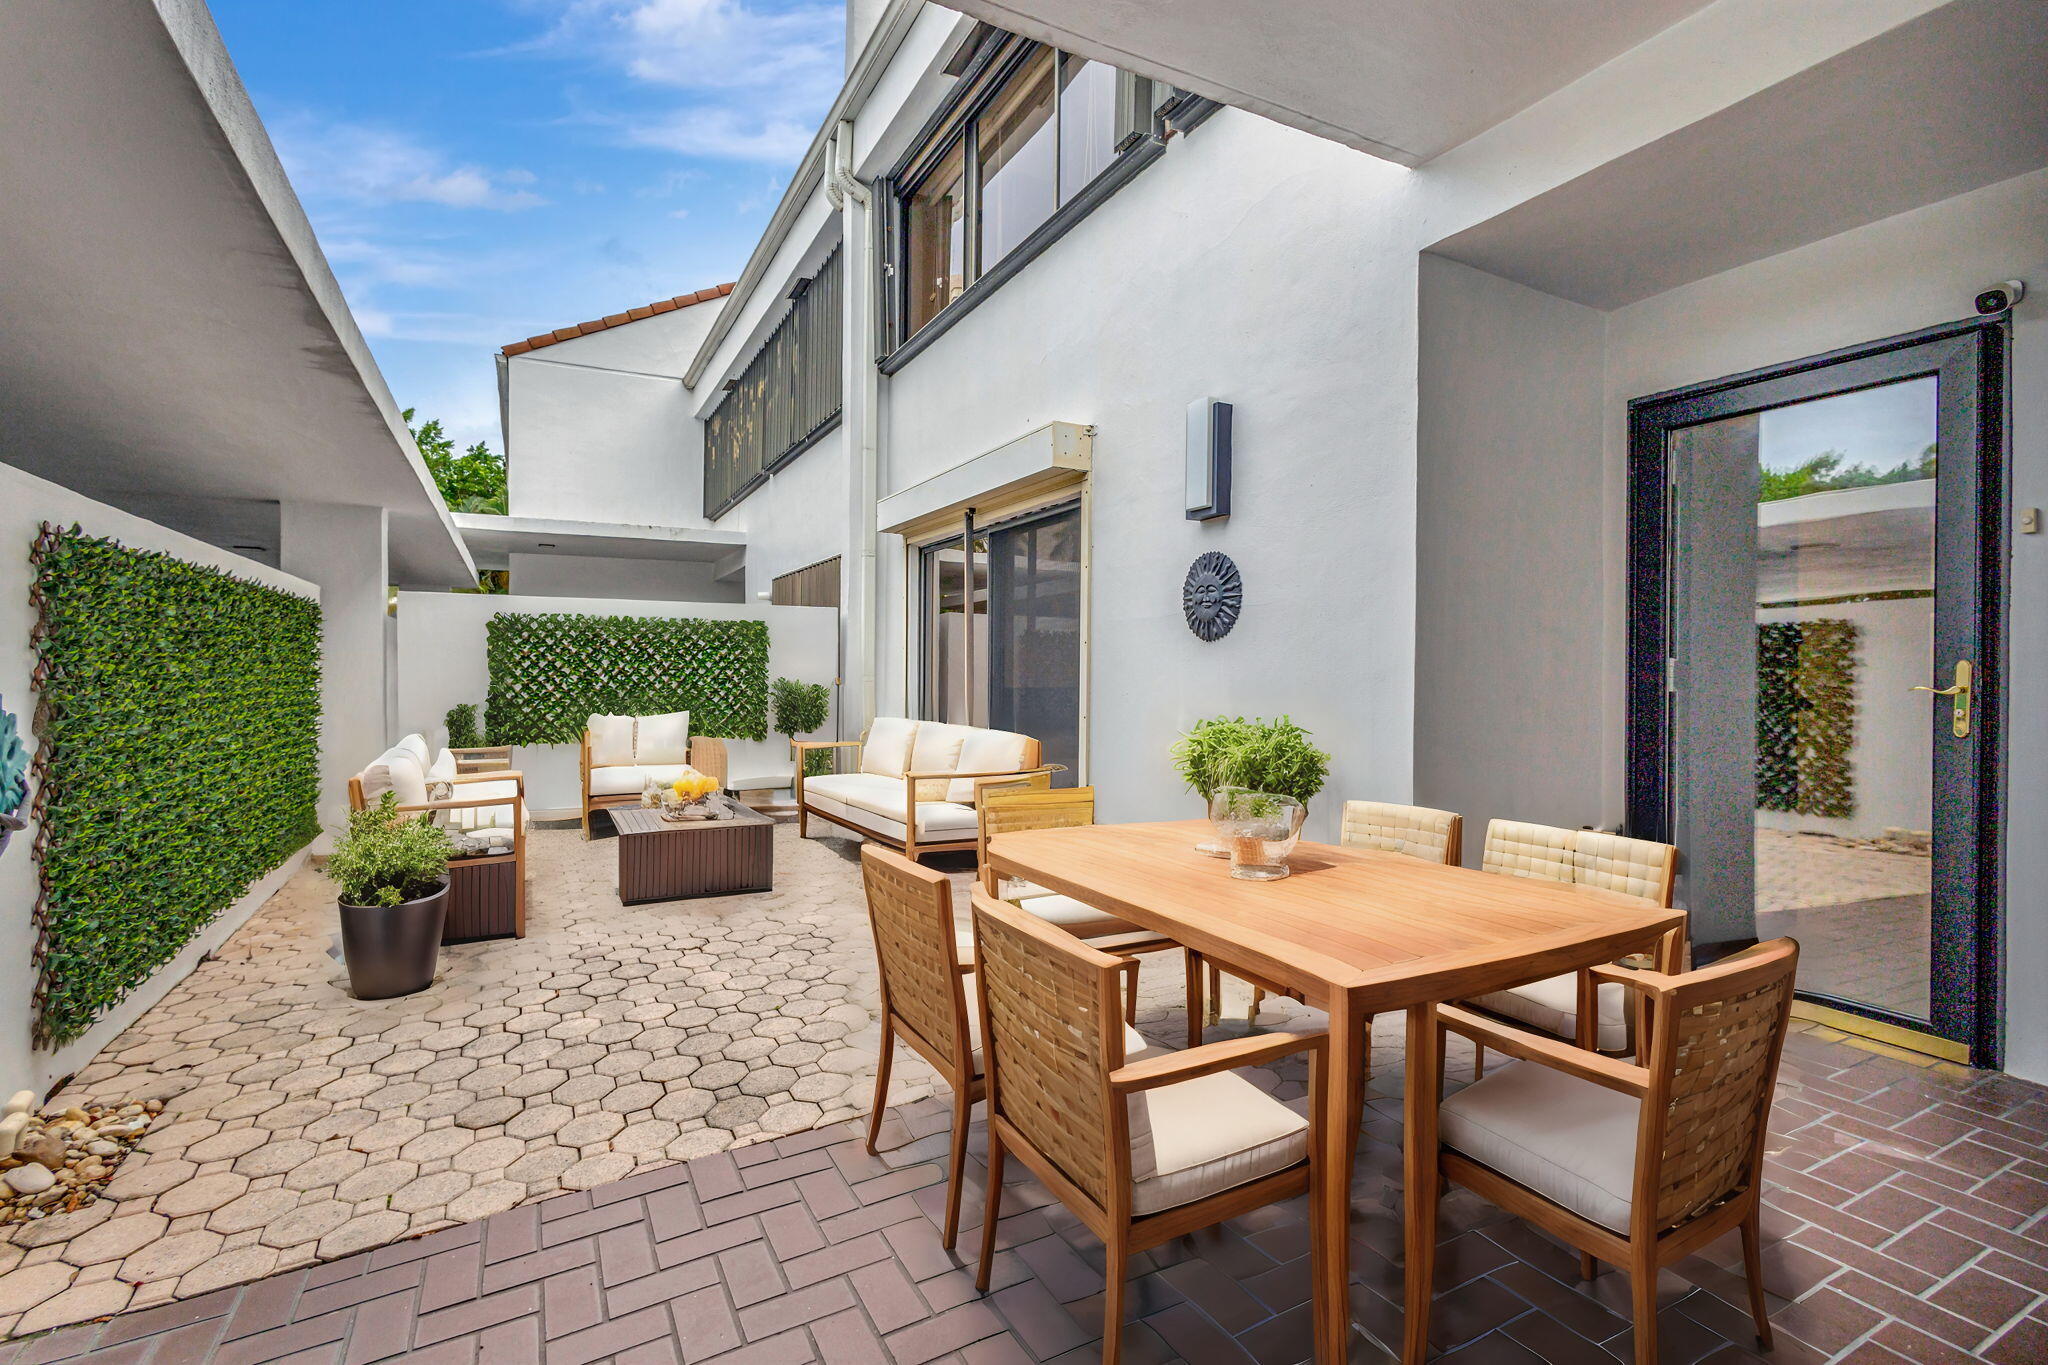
(992, 1210)
(1116, 1257)
(881, 1083)
(1589, 1265)
(1478, 1060)
(957, 1172)
(1753, 1269)
(1251, 1016)
(803, 822)
(1196, 1003)
(1213, 1011)
(1642, 1277)
(1131, 993)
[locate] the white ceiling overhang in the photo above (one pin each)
(172, 328)
(1402, 79)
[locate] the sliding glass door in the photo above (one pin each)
(1002, 630)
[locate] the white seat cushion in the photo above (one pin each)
(877, 802)
(662, 739)
(483, 817)
(1076, 917)
(986, 751)
(1199, 1137)
(1569, 1140)
(611, 741)
(887, 751)
(630, 779)
(1552, 1006)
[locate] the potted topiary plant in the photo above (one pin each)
(800, 709)
(391, 871)
(462, 732)
(1229, 759)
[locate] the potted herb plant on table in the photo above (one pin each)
(1258, 777)
(391, 872)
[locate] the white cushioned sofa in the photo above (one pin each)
(914, 780)
(462, 789)
(622, 754)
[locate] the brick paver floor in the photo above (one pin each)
(303, 1124)
(1907, 1221)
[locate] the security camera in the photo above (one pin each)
(2001, 296)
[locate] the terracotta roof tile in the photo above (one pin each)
(648, 310)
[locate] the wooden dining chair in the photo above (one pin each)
(1434, 836)
(1143, 1147)
(1638, 1165)
(924, 999)
(1570, 1006)
(1005, 805)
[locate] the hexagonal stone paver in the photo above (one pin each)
(719, 1075)
(430, 1191)
(582, 1131)
(489, 1113)
(23, 1289)
(631, 1099)
(484, 1200)
(278, 1158)
(538, 1120)
(328, 1168)
(81, 1301)
(201, 1194)
(363, 1232)
(168, 1259)
(253, 1210)
(437, 1144)
(306, 1224)
(768, 1080)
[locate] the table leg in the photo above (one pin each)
(1346, 1053)
(1419, 1180)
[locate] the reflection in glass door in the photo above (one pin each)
(1002, 631)
(1819, 597)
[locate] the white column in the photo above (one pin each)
(346, 550)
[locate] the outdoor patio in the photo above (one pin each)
(555, 1115)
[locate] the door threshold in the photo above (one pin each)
(1877, 1031)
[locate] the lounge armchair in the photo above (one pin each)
(622, 754)
(915, 783)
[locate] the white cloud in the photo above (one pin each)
(363, 164)
(753, 76)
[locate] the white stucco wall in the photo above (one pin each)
(25, 502)
(345, 550)
(1235, 268)
(598, 428)
(441, 639)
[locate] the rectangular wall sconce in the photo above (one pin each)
(1208, 472)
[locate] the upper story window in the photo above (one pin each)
(1030, 140)
(783, 401)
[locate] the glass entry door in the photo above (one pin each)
(1002, 631)
(1813, 718)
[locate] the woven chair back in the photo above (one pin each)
(1634, 867)
(1417, 831)
(1718, 1043)
(1003, 809)
(1516, 848)
(910, 909)
(1052, 1033)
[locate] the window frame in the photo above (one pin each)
(955, 124)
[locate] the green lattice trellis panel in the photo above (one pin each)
(178, 760)
(1806, 716)
(551, 672)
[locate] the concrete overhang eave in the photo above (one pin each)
(491, 538)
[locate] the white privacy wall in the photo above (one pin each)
(25, 502)
(441, 661)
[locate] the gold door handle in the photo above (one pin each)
(1961, 693)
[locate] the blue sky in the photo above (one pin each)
(482, 170)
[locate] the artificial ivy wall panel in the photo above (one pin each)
(178, 714)
(1806, 716)
(550, 672)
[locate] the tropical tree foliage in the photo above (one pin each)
(473, 481)
(1826, 472)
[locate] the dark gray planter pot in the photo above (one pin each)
(10, 825)
(393, 949)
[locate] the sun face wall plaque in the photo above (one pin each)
(1212, 596)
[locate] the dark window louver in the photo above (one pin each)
(786, 398)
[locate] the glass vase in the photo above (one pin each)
(1216, 846)
(1261, 829)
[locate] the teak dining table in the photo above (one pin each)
(1356, 933)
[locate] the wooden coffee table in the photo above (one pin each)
(664, 860)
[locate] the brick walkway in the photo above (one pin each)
(1908, 1222)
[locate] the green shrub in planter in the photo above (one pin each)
(386, 858)
(800, 709)
(462, 727)
(1264, 756)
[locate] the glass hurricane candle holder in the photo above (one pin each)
(1261, 829)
